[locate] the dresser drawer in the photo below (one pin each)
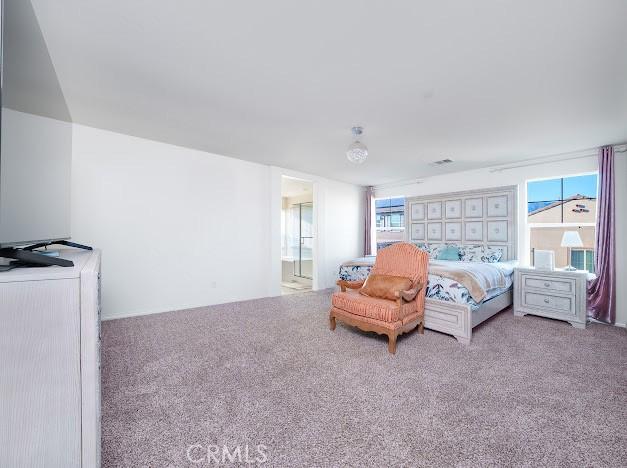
(561, 304)
(561, 285)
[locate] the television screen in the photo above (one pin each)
(35, 134)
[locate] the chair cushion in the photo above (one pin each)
(379, 309)
(384, 286)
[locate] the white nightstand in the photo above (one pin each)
(556, 294)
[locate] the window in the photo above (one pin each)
(582, 259)
(555, 206)
(390, 220)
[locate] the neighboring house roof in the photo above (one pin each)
(559, 203)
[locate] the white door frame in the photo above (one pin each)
(276, 173)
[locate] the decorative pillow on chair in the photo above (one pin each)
(384, 286)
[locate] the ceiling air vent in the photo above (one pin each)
(442, 162)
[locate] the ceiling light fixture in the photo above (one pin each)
(357, 152)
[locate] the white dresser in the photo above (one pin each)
(556, 294)
(50, 364)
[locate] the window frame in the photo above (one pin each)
(586, 253)
(530, 226)
(596, 214)
(387, 217)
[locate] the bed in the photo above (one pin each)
(483, 224)
(450, 307)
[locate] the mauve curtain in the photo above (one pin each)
(368, 221)
(602, 291)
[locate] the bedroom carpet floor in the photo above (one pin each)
(527, 391)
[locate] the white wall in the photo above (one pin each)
(181, 228)
(178, 228)
(484, 178)
(341, 230)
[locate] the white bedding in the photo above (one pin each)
(439, 287)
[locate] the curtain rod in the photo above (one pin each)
(574, 155)
(589, 153)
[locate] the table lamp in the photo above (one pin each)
(571, 239)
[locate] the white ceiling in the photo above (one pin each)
(281, 82)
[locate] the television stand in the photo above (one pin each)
(29, 257)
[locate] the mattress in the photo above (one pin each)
(438, 287)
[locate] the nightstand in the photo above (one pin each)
(556, 294)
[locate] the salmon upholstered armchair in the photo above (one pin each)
(384, 316)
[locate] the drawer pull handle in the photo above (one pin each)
(546, 285)
(546, 300)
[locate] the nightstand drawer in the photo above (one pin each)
(560, 304)
(561, 285)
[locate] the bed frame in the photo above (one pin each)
(485, 217)
(459, 319)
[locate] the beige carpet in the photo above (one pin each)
(268, 375)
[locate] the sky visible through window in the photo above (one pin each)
(544, 192)
(395, 202)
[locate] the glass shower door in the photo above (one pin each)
(304, 265)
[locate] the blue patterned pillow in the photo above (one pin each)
(433, 249)
(479, 253)
(383, 245)
(423, 246)
(491, 255)
(471, 253)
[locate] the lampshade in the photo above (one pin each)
(571, 239)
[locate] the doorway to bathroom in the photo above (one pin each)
(297, 235)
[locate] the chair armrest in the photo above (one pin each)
(410, 294)
(343, 284)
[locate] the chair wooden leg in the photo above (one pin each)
(392, 343)
(421, 327)
(331, 321)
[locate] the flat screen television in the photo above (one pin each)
(35, 134)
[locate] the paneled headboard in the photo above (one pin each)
(485, 217)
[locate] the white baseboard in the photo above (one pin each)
(616, 324)
(107, 317)
(139, 313)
